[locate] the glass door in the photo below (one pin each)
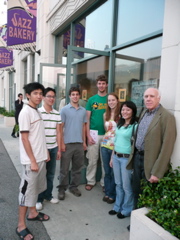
(83, 67)
(54, 76)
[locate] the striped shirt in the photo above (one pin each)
(50, 120)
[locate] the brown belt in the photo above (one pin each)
(121, 155)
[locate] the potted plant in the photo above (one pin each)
(163, 203)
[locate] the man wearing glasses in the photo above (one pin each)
(52, 125)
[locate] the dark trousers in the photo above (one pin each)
(50, 173)
(138, 175)
(74, 154)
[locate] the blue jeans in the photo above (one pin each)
(51, 168)
(109, 183)
(123, 179)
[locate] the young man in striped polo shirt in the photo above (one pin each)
(52, 124)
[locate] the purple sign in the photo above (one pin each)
(21, 22)
(6, 58)
(79, 38)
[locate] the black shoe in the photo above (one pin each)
(75, 191)
(105, 198)
(128, 228)
(13, 135)
(110, 201)
(61, 195)
(121, 216)
(112, 212)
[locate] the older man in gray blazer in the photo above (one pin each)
(155, 138)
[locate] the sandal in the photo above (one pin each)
(39, 217)
(24, 233)
(89, 187)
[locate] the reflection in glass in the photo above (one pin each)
(78, 55)
(138, 18)
(98, 27)
(137, 68)
(86, 72)
(55, 77)
(61, 47)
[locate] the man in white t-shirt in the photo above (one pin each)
(52, 125)
(33, 156)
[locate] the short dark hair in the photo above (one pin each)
(102, 78)
(74, 89)
(33, 86)
(20, 94)
(132, 106)
(48, 89)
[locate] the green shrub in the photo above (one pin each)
(9, 114)
(2, 110)
(163, 199)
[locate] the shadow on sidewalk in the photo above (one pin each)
(9, 189)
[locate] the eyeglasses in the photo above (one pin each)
(48, 96)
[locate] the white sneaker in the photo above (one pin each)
(54, 200)
(39, 206)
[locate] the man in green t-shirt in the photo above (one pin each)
(96, 106)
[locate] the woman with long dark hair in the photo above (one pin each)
(111, 117)
(122, 149)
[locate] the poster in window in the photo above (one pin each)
(137, 91)
(84, 94)
(122, 95)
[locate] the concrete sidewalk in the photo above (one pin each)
(83, 218)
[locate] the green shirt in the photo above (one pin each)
(97, 105)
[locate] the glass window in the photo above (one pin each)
(93, 32)
(136, 69)
(62, 43)
(138, 18)
(55, 77)
(86, 72)
(97, 28)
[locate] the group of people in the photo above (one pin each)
(130, 150)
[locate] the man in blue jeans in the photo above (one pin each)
(52, 124)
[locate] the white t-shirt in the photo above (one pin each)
(51, 120)
(30, 121)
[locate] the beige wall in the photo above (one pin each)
(170, 68)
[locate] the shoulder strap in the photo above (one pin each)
(133, 131)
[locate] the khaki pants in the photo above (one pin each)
(74, 154)
(93, 156)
